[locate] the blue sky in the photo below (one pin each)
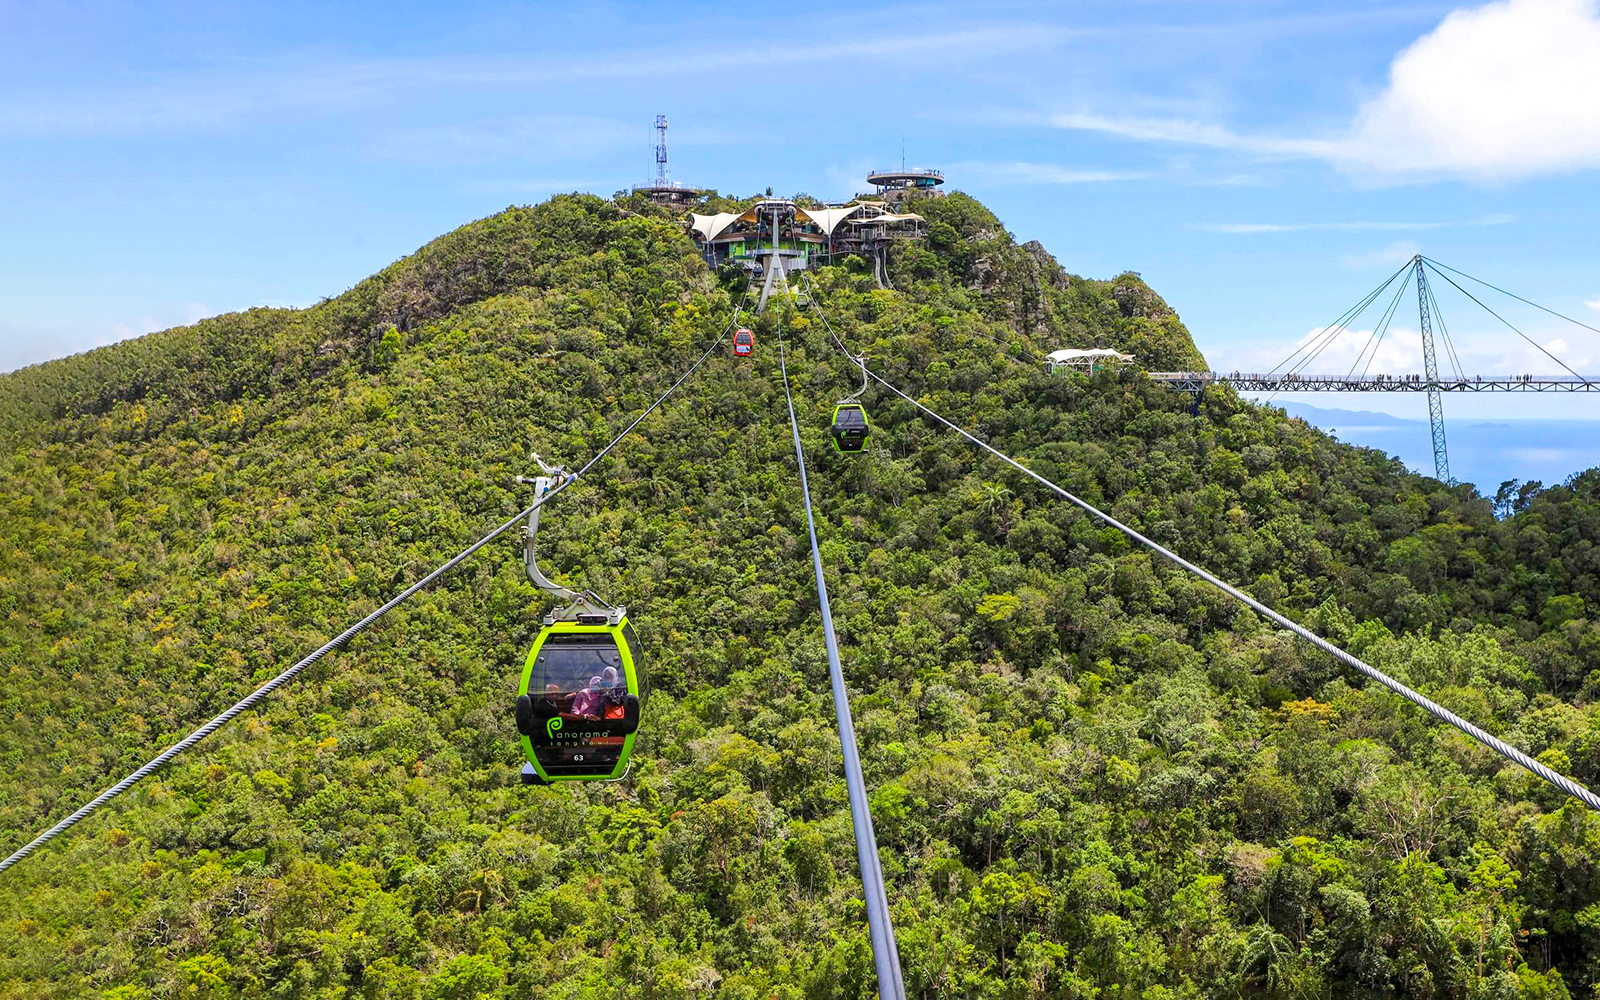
(1262, 164)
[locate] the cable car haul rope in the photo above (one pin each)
(94, 805)
(885, 953)
(1432, 707)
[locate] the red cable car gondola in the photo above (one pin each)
(744, 342)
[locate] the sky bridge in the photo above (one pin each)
(1295, 382)
(1294, 373)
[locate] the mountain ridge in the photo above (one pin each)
(1091, 774)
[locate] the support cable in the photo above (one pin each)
(1328, 333)
(1383, 331)
(1438, 711)
(344, 637)
(1438, 316)
(1433, 708)
(1378, 333)
(1507, 322)
(1329, 341)
(1436, 265)
(885, 952)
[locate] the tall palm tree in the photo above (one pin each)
(995, 499)
(1268, 958)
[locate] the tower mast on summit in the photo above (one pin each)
(661, 150)
(660, 188)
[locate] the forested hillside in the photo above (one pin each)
(1092, 775)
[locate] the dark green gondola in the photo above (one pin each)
(850, 428)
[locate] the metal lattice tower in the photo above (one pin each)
(1430, 368)
(661, 150)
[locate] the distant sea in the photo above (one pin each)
(1483, 452)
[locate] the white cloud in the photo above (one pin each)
(1195, 133)
(122, 331)
(1592, 303)
(1400, 352)
(1248, 228)
(1504, 90)
(1039, 173)
(192, 313)
(1496, 92)
(1388, 258)
(1475, 345)
(1525, 358)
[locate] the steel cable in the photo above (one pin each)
(1324, 337)
(336, 642)
(1507, 322)
(885, 952)
(1379, 332)
(1433, 708)
(1436, 265)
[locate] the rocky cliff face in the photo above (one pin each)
(1025, 286)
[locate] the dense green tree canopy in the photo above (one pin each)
(1092, 775)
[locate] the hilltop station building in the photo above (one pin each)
(777, 228)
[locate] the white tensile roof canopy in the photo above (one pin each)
(888, 218)
(829, 219)
(1068, 354)
(709, 227)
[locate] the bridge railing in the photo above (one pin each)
(1382, 382)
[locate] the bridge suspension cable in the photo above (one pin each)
(1328, 334)
(885, 951)
(1379, 332)
(1436, 265)
(249, 701)
(1427, 704)
(1513, 329)
(1444, 331)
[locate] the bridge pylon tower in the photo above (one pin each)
(1430, 369)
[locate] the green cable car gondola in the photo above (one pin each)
(850, 426)
(583, 684)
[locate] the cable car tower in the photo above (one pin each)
(776, 260)
(661, 149)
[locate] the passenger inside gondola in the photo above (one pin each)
(614, 704)
(573, 674)
(587, 702)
